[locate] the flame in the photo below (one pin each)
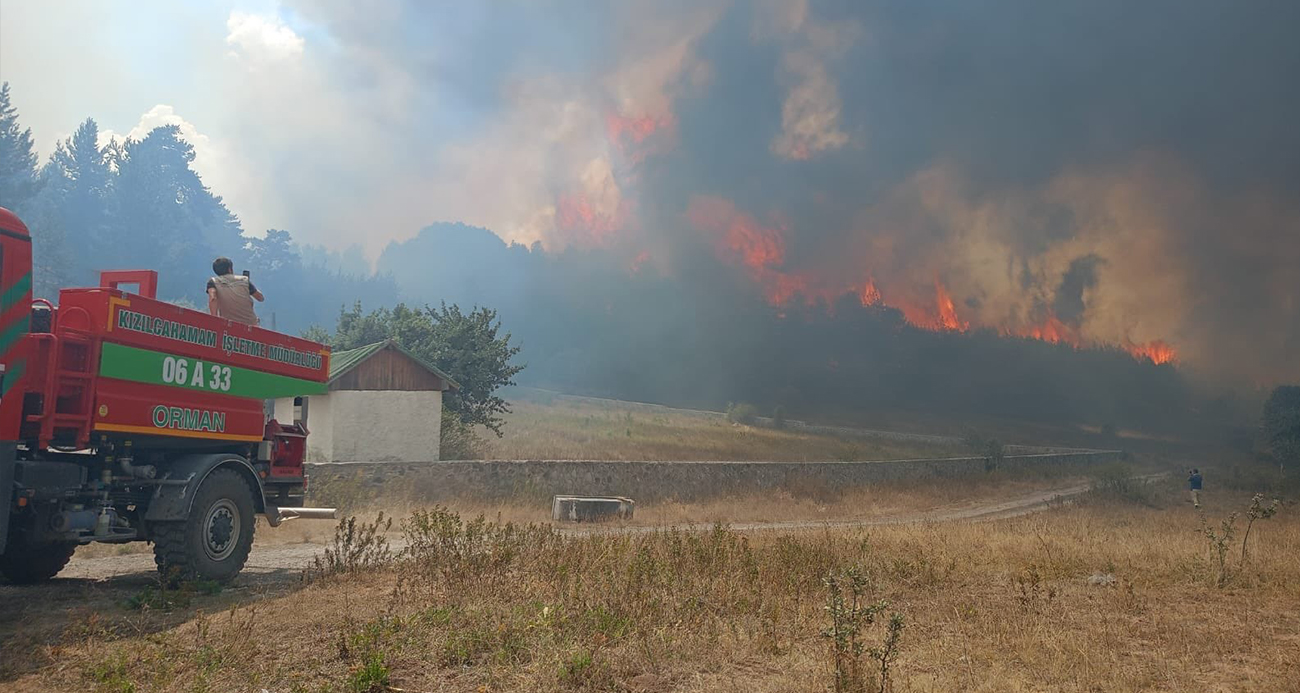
(576, 215)
(740, 236)
(1051, 330)
(947, 312)
(941, 317)
(1157, 352)
(632, 135)
(869, 294)
(756, 246)
(761, 249)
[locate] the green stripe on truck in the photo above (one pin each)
(16, 292)
(159, 368)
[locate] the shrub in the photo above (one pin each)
(741, 413)
(439, 542)
(581, 671)
(1116, 482)
(168, 594)
(991, 449)
(1258, 475)
(1257, 511)
(111, 675)
(457, 440)
(850, 612)
(1281, 424)
(1219, 544)
(371, 675)
(366, 647)
(356, 546)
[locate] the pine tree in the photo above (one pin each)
(276, 253)
(164, 212)
(73, 210)
(18, 179)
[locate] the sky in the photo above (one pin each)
(338, 123)
(1106, 172)
(266, 95)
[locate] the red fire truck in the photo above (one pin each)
(125, 418)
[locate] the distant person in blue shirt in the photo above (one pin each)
(1194, 483)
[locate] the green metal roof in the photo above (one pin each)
(343, 361)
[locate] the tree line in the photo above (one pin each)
(697, 335)
(139, 204)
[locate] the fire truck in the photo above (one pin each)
(125, 418)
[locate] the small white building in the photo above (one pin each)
(384, 405)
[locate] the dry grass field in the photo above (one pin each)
(1119, 592)
(564, 428)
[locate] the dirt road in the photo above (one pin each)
(281, 561)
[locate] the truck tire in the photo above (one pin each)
(24, 565)
(214, 541)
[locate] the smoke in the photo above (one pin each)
(1094, 174)
(1098, 174)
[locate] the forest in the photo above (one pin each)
(586, 322)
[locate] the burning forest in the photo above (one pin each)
(841, 192)
(881, 204)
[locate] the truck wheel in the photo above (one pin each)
(24, 565)
(214, 541)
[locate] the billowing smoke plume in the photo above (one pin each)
(1100, 174)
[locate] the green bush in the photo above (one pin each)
(458, 441)
(742, 413)
(991, 449)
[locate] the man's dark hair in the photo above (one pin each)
(223, 266)
(1196, 471)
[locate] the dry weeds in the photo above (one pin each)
(1006, 606)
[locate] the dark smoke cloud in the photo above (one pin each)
(1081, 277)
(1126, 168)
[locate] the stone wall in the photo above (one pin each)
(655, 481)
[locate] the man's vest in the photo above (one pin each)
(234, 302)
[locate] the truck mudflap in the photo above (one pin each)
(8, 455)
(174, 497)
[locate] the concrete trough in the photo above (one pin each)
(591, 508)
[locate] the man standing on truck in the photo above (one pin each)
(231, 295)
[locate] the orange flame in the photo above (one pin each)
(762, 250)
(1051, 330)
(630, 134)
(947, 312)
(576, 214)
(740, 235)
(939, 318)
(869, 294)
(1157, 352)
